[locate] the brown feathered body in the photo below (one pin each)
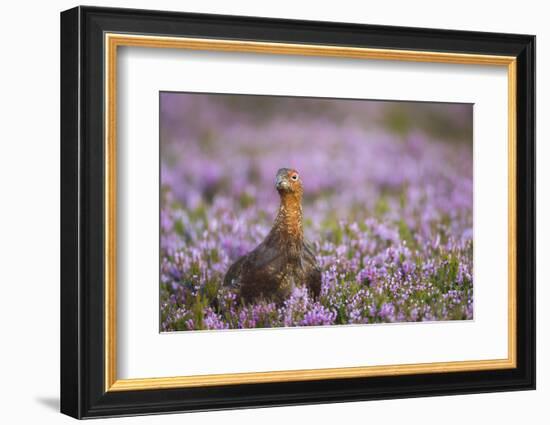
(284, 259)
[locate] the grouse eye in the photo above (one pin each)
(294, 177)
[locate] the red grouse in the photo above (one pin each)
(284, 259)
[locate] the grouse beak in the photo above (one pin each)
(281, 183)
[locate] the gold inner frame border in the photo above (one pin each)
(113, 40)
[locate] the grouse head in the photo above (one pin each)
(288, 182)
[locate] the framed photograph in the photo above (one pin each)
(261, 212)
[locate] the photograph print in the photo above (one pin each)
(293, 211)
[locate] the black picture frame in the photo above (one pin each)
(82, 218)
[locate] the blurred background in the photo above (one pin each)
(232, 145)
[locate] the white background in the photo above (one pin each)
(29, 225)
(145, 72)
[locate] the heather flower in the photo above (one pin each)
(318, 315)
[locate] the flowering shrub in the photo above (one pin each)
(387, 209)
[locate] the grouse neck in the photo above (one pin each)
(289, 218)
